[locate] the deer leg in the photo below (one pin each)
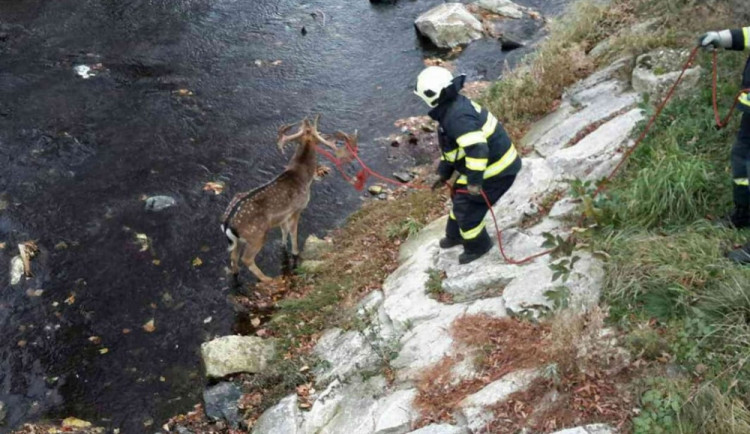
(248, 257)
(234, 259)
(293, 230)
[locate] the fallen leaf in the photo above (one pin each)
(62, 245)
(72, 299)
(126, 331)
(304, 368)
(276, 63)
(2, 246)
(22, 343)
(162, 379)
(255, 322)
(103, 351)
(34, 292)
(197, 262)
(208, 320)
(216, 187)
(143, 240)
(96, 340)
(183, 92)
(156, 262)
(149, 327)
(72, 422)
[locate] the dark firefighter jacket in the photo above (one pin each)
(471, 139)
(741, 41)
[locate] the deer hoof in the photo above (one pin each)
(236, 280)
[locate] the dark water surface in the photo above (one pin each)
(77, 155)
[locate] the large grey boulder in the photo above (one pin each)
(346, 408)
(221, 403)
(656, 72)
(449, 25)
(596, 155)
(505, 8)
(232, 354)
(345, 353)
(396, 413)
(473, 410)
(284, 417)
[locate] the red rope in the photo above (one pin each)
(366, 171)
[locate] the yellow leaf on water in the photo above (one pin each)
(72, 299)
(126, 331)
(197, 262)
(216, 187)
(96, 340)
(104, 351)
(156, 262)
(162, 379)
(72, 422)
(149, 327)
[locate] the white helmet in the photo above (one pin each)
(430, 82)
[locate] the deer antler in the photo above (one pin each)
(319, 136)
(346, 154)
(284, 139)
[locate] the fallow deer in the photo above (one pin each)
(279, 203)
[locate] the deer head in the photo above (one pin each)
(346, 154)
(307, 134)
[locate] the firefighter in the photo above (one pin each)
(737, 39)
(474, 144)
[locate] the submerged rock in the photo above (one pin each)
(233, 354)
(655, 72)
(449, 25)
(3, 412)
(221, 403)
(159, 203)
(16, 270)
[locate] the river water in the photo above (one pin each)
(78, 155)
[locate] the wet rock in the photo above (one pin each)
(315, 248)
(221, 403)
(233, 354)
(449, 25)
(383, 196)
(441, 429)
(505, 8)
(655, 72)
(284, 417)
(473, 410)
(183, 430)
(346, 353)
(159, 203)
(375, 190)
(597, 154)
(589, 429)
(16, 270)
(403, 176)
(3, 412)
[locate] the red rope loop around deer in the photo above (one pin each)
(366, 171)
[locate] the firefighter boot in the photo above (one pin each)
(738, 219)
(476, 248)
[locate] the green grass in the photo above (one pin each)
(668, 283)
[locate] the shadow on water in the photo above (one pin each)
(77, 156)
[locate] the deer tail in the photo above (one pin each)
(232, 236)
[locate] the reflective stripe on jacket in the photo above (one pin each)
(472, 141)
